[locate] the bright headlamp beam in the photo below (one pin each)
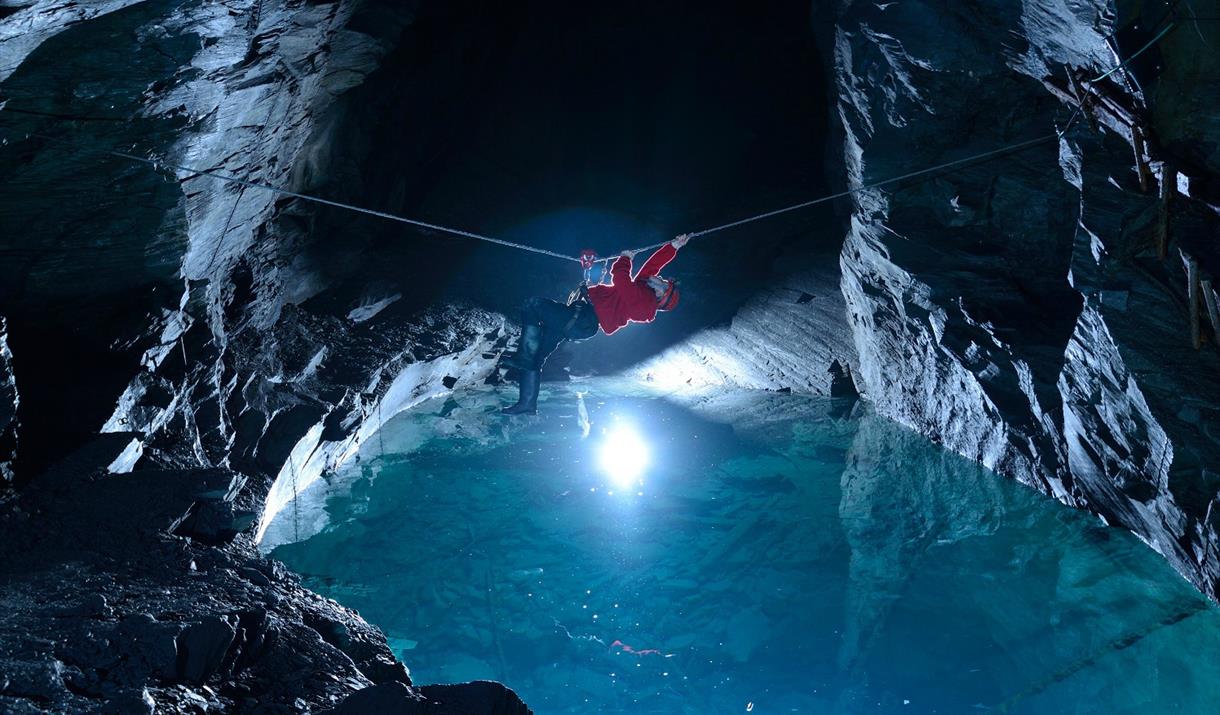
(624, 456)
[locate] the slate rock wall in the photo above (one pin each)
(1023, 310)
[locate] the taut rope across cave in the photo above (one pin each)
(157, 163)
(584, 259)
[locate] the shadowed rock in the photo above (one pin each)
(9, 402)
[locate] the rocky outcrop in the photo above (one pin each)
(35, 21)
(147, 534)
(790, 337)
(1023, 310)
(160, 562)
(466, 345)
(122, 595)
(9, 402)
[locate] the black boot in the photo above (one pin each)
(527, 403)
(526, 357)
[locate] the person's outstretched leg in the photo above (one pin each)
(528, 348)
(554, 318)
(542, 324)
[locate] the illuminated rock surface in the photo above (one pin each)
(1016, 311)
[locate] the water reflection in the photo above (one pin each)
(784, 556)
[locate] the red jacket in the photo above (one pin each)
(627, 299)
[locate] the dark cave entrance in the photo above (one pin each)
(569, 127)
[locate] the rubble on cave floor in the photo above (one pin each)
(143, 592)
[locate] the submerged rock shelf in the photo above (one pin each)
(792, 553)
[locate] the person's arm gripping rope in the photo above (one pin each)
(661, 258)
(620, 270)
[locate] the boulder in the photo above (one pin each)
(202, 648)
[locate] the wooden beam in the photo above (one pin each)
(1084, 99)
(1141, 163)
(1213, 314)
(1169, 187)
(1117, 101)
(1099, 111)
(1192, 295)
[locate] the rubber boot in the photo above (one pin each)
(526, 357)
(527, 403)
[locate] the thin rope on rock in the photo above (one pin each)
(1138, 52)
(1011, 148)
(984, 156)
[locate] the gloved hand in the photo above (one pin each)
(680, 241)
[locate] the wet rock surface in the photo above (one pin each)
(131, 577)
(1026, 311)
(108, 611)
(790, 337)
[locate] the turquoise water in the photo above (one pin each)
(774, 555)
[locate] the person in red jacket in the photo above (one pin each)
(626, 299)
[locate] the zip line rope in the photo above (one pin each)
(246, 184)
(1011, 148)
(1137, 53)
(977, 157)
(158, 163)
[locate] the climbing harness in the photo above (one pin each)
(670, 297)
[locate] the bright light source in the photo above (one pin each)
(624, 456)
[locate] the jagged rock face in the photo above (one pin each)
(265, 336)
(235, 89)
(9, 401)
(151, 633)
(189, 285)
(1015, 310)
(789, 337)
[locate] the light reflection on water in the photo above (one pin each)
(793, 560)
